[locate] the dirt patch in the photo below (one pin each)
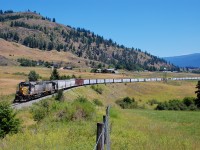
(7, 62)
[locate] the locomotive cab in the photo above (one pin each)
(23, 91)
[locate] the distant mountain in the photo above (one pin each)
(35, 31)
(191, 60)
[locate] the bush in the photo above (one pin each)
(80, 109)
(186, 104)
(127, 103)
(38, 114)
(33, 76)
(97, 102)
(9, 124)
(40, 110)
(189, 101)
(59, 95)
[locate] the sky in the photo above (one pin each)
(160, 27)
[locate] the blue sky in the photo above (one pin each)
(160, 27)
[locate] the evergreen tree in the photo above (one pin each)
(50, 46)
(33, 76)
(54, 20)
(55, 75)
(197, 102)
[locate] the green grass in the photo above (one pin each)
(149, 129)
(130, 129)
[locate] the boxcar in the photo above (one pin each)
(109, 80)
(93, 81)
(100, 81)
(79, 82)
(86, 81)
(117, 80)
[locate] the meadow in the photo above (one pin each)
(130, 129)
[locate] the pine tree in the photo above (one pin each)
(54, 20)
(55, 75)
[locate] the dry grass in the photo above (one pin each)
(14, 51)
(10, 76)
(8, 86)
(142, 92)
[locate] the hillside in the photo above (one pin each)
(11, 51)
(191, 60)
(35, 31)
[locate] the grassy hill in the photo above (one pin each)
(35, 31)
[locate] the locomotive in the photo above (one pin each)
(32, 90)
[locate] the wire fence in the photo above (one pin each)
(103, 133)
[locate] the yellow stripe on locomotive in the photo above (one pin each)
(24, 90)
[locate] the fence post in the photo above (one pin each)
(107, 129)
(100, 136)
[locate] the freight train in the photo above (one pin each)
(32, 90)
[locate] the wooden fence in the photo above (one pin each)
(103, 133)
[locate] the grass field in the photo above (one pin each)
(130, 130)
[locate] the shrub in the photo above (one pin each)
(9, 124)
(127, 103)
(33, 76)
(189, 101)
(59, 95)
(80, 109)
(97, 102)
(193, 107)
(172, 105)
(40, 110)
(38, 114)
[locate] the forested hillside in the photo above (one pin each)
(35, 31)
